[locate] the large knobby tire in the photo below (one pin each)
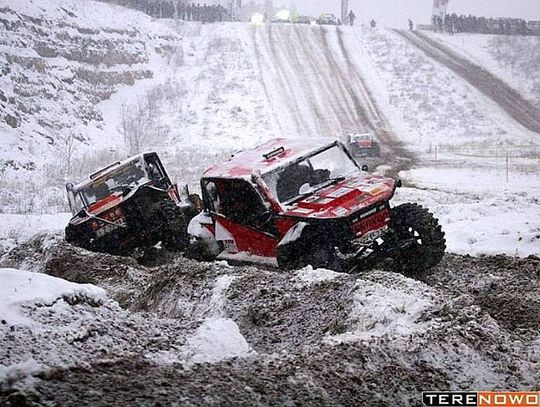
(175, 236)
(412, 221)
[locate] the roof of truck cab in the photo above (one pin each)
(108, 169)
(244, 163)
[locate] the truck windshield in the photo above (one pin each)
(361, 137)
(119, 181)
(315, 171)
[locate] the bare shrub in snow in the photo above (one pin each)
(68, 150)
(137, 123)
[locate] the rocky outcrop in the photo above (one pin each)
(56, 67)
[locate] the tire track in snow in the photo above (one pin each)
(377, 118)
(283, 81)
(346, 89)
(258, 58)
(299, 78)
(278, 93)
(515, 105)
(341, 117)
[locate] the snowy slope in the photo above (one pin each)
(60, 59)
(429, 104)
(511, 57)
(213, 89)
(476, 168)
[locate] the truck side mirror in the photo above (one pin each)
(70, 195)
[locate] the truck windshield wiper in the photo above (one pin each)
(315, 188)
(328, 182)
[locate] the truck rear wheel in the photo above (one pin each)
(175, 235)
(418, 226)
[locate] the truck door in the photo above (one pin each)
(242, 221)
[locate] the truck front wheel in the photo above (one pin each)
(421, 237)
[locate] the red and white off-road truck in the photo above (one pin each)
(129, 204)
(296, 202)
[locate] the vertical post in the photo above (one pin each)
(507, 166)
(435, 153)
(344, 10)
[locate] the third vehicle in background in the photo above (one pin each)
(363, 145)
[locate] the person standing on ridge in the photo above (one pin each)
(352, 17)
(411, 25)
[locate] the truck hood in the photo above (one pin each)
(343, 198)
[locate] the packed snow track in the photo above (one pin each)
(515, 105)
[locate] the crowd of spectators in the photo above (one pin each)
(183, 10)
(452, 23)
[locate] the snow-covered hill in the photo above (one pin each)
(60, 60)
(512, 57)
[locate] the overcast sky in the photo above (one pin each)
(395, 13)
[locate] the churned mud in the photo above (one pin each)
(309, 337)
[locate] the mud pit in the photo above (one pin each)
(307, 337)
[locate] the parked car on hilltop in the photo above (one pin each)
(328, 19)
(303, 20)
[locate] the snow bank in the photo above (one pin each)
(391, 306)
(314, 276)
(218, 337)
(217, 301)
(20, 289)
(23, 227)
(16, 229)
(215, 340)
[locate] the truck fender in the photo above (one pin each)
(198, 230)
(293, 234)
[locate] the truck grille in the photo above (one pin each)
(373, 222)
